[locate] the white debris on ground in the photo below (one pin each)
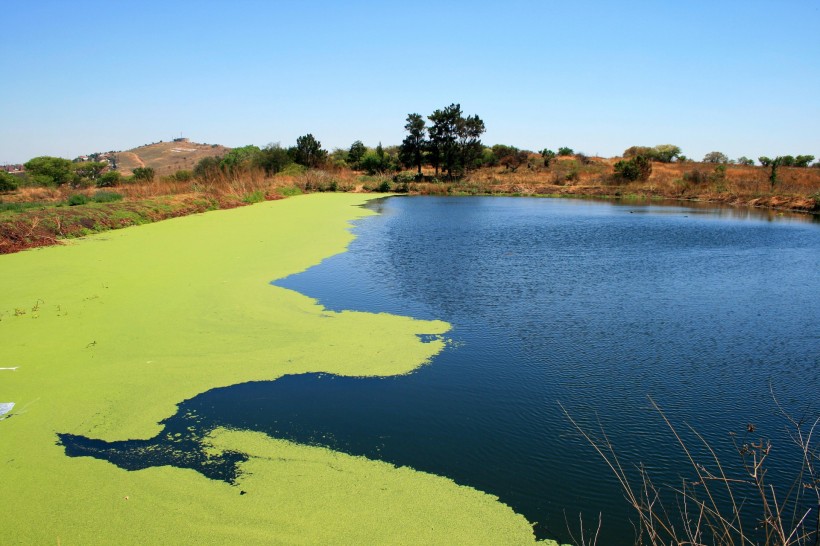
(5, 407)
(9, 369)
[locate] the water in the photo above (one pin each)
(593, 305)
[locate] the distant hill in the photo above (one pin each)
(167, 157)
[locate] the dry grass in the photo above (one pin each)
(166, 157)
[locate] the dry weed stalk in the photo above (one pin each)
(712, 509)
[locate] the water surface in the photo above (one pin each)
(593, 305)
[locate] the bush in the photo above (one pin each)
(109, 179)
(183, 175)
(77, 199)
(7, 182)
(564, 151)
(384, 187)
(145, 174)
(637, 168)
(254, 197)
(695, 177)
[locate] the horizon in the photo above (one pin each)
(91, 77)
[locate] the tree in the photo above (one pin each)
(743, 160)
(273, 159)
(144, 173)
(803, 160)
(308, 151)
(109, 179)
(356, 153)
(715, 157)
(89, 170)
(774, 164)
(454, 140)
(414, 144)
(548, 156)
(240, 159)
(48, 171)
(787, 161)
(207, 167)
(564, 151)
(8, 182)
(665, 153)
(765, 161)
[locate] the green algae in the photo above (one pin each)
(109, 333)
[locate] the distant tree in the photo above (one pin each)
(564, 151)
(308, 152)
(49, 171)
(89, 171)
(665, 153)
(145, 174)
(743, 160)
(510, 157)
(8, 182)
(455, 141)
(634, 151)
(443, 137)
(356, 153)
(787, 161)
(548, 155)
(773, 164)
(414, 144)
(765, 161)
(109, 179)
(715, 157)
(240, 159)
(273, 159)
(803, 160)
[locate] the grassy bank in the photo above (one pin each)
(106, 335)
(32, 217)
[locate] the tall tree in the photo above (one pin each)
(414, 144)
(454, 140)
(308, 151)
(356, 153)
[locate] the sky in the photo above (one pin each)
(740, 77)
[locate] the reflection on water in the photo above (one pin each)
(593, 305)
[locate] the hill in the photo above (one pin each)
(166, 157)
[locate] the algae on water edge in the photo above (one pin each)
(120, 327)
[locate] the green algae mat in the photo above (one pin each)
(104, 336)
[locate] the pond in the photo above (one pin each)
(593, 306)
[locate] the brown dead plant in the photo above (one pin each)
(737, 508)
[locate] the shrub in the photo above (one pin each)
(637, 168)
(183, 175)
(254, 197)
(145, 174)
(77, 199)
(109, 179)
(384, 187)
(7, 182)
(564, 151)
(695, 176)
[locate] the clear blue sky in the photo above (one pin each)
(739, 77)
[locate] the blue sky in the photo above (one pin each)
(739, 77)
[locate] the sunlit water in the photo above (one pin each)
(597, 306)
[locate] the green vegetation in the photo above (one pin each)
(50, 171)
(663, 153)
(564, 151)
(144, 174)
(715, 157)
(547, 155)
(637, 168)
(8, 182)
(109, 179)
(453, 142)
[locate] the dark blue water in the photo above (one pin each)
(595, 305)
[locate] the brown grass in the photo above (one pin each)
(166, 157)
